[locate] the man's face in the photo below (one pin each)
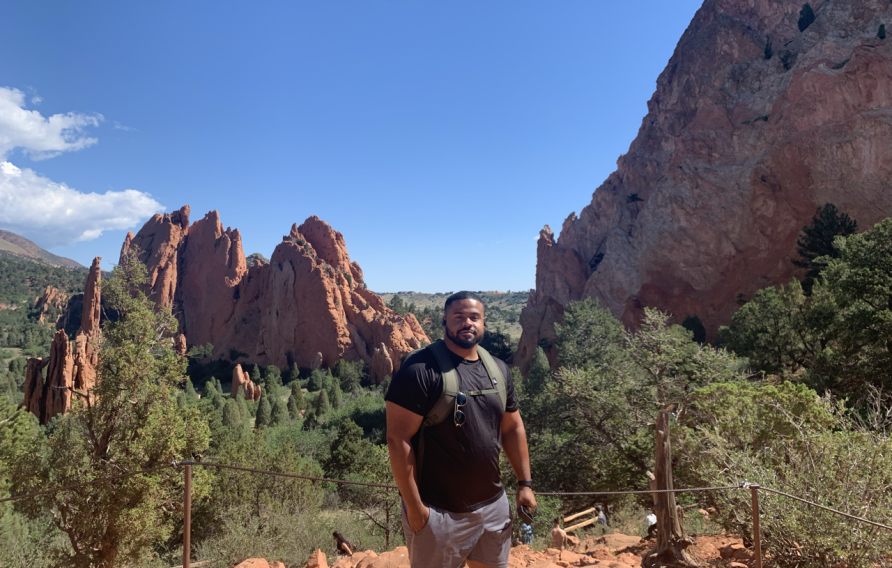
(464, 323)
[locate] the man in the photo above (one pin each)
(558, 536)
(454, 506)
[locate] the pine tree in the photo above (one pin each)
(280, 413)
(217, 401)
(232, 417)
(264, 413)
(272, 375)
(242, 405)
(322, 405)
(816, 242)
(294, 374)
(335, 395)
(255, 375)
(296, 401)
(209, 389)
(219, 386)
(191, 395)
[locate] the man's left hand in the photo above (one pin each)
(525, 496)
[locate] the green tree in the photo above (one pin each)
(129, 422)
(256, 377)
(232, 416)
(296, 401)
(348, 374)
(320, 379)
(815, 245)
(279, 413)
(881, 31)
(322, 405)
(264, 412)
(272, 378)
(498, 344)
(335, 396)
(191, 395)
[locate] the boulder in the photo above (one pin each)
(256, 563)
(241, 380)
(734, 157)
(317, 560)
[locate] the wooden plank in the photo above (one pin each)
(582, 524)
(577, 515)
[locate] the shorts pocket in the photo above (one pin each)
(430, 519)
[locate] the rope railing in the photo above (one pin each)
(187, 497)
(853, 517)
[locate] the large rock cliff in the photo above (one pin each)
(753, 126)
(308, 306)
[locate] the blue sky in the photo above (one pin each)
(438, 137)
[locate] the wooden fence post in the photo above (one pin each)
(757, 537)
(187, 514)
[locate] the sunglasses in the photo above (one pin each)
(458, 416)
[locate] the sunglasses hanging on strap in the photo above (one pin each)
(448, 398)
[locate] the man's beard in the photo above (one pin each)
(464, 343)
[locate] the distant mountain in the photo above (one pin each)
(12, 244)
(502, 308)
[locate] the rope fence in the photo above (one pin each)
(187, 497)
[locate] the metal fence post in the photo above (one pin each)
(187, 514)
(757, 538)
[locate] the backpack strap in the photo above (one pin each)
(495, 375)
(444, 405)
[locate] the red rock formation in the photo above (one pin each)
(382, 364)
(241, 380)
(159, 243)
(92, 307)
(35, 391)
(179, 345)
(308, 302)
(734, 156)
(68, 369)
(51, 297)
(59, 377)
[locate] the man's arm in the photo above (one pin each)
(402, 424)
(514, 442)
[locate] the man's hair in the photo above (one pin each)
(463, 295)
(557, 521)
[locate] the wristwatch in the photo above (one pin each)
(525, 483)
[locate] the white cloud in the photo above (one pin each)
(37, 136)
(118, 126)
(36, 100)
(53, 214)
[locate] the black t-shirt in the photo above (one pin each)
(460, 472)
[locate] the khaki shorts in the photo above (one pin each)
(448, 539)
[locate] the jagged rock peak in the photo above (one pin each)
(753, 126)
(92, 300)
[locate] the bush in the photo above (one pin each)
(789, 439)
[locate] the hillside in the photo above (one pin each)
(761, 117)
(503, 308)
(13, 245)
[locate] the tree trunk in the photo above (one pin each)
(672, 544)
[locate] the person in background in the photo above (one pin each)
(526, 534)
(558, 536)
(602, 519)
(345, 548)
(651, 521)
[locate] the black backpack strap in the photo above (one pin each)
(444, 405)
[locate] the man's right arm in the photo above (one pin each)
(402, 424)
